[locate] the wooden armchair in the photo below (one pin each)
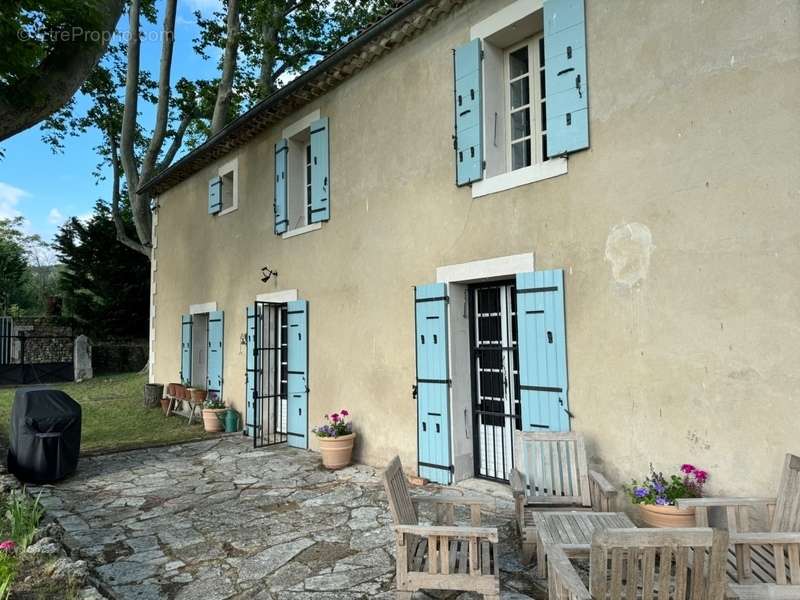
(757, 561)
(445, 556)
(551, 473)
(630, 564)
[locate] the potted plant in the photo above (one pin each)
(198, 394)
(656, 496)
(213, 409)
(336, 440)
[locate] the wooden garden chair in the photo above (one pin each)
(761, 564)
(440, 557)
(551, 473)
(662, 564)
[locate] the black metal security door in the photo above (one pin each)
(495, 378)
(270, 376)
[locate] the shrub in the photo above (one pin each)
(23, 515)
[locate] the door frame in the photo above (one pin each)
(273, 348)
(512, 417)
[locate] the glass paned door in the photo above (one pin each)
(495, 378)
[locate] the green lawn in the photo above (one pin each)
(114, 416)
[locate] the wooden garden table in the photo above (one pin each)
(572, 531)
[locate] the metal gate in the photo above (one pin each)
(495, 378)
(28, 358)
(270, 377)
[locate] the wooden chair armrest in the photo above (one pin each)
(451, 499)
(605, 486)
(517, 483)
(766, 538)
(719, 502)
(563, 577)
(486, 533)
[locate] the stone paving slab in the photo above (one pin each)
(218, 519)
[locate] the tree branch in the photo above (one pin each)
(225, 91)
(130, 112)
(285, 64)
(177, 141)
(162, 108)
(119, 224)
(58, 76)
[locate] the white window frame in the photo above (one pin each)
(291, 133)
(534, 105)
(231, 166)
(496, 24)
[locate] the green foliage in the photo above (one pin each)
(23, 515)
(31, 30)
(114, 416)
(24, 282)
(105, 285)
(8, 569)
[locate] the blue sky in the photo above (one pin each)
(48, 188)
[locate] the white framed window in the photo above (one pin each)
(307, 183)
(298, 202)
(229, 174)
(514, 99)
(525, 103)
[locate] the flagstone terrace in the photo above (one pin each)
(218, 519)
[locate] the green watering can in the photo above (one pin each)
(230, 420)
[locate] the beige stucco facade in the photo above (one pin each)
(677, 230)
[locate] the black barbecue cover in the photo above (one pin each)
(45, 435)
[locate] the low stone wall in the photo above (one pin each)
(43, 340)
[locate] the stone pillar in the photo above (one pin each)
(83, 358)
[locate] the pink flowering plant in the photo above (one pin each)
(335, 425)
(659, 489)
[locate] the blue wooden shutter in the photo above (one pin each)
(216, 328)
(186, 349)
(433, 383)
(250, 369)
(214, 195)
(567, 92)
(297, 367)
(542, 343)
(468, 121)
(281, 188)
(320, 171)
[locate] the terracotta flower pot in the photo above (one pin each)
(165, 405)
(211, 418)
(337, 452)
(655, 515)
(198, 396)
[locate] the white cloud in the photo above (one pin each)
(55, 217)
(9, 198)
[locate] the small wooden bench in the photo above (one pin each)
(632, 564)
(572, 532)
(440, 557)
(762, 564)
(551, 473)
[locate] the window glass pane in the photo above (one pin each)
(521, 154)
(542, 84)
(488, 300)
(541, 52)
(518, 62)
(520, 124)
(520, 93)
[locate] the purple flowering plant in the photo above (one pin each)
(659, 489)
(335, 425)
